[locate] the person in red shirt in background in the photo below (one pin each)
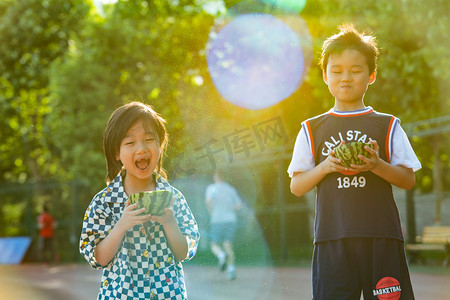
(46, 225)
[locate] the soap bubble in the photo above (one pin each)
(256, 59)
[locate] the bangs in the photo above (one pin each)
(149, 122)
(149, 125)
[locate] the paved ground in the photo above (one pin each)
(79, 281)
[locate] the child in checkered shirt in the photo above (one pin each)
(140, 254)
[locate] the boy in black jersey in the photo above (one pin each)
(358, 243)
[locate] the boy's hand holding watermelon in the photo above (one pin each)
(358, 156)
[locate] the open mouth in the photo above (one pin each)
(142, 164)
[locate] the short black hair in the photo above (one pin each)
(350, 38)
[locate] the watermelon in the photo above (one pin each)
(155, 202)
(348, 153)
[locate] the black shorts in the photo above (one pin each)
(377, 267)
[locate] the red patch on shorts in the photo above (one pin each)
(388, 288)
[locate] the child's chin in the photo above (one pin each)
(143, 174)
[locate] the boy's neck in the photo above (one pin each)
(339, 106)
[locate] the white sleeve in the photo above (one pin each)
(402, 152)
(302, 157)
(209, 191)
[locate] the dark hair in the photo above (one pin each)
(121, 120)
(350, 38)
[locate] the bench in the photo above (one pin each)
(433, 238)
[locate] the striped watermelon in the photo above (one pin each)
(155, 202)
(348, 153)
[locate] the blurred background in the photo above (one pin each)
(233, 79)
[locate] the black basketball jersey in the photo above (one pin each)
(353, 205)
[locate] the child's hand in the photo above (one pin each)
(370, 163)
(132, 216)
(165, 219)
(332, 164)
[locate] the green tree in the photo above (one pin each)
(33, 33)
(64, 69)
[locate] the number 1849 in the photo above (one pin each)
(346, 182)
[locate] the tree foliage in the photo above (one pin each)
(33, 34)
(64, 68)
(139, 51)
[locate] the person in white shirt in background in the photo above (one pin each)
(222, 201)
